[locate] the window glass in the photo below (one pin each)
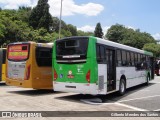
(44, 56)
(102, 52)
(124, 61)
(139, 57)
(72, 51)
(71, 47)
(119, 59)
(136, 57)
(132, 58)
(98, 52)
(128, 59)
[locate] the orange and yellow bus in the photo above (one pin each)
(2, 64)
(28, 65)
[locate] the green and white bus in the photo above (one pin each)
(91, 65)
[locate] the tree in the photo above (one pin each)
(23, 14)
(72, 29)
(12, 28)
(82, 33)
(135, 38)
(115, 33)
(98, 31)
(2, 33)
(66, 33)
(40, 16)
(152, 47)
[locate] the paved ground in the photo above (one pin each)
(140, 98)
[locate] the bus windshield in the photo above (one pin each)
(18, 52)
(71, 49)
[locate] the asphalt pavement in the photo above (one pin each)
(139, 98)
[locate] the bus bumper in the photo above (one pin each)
(19, 83)
(78, 88)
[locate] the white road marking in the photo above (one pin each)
(98, 101)
(131, 107)
(138, 98)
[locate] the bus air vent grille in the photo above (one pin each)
(101, 83)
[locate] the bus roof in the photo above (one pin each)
(121, 46)
(32, 42)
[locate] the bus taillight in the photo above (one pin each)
(88, 76)
(28, 72)
(55, 75)
(6, 71)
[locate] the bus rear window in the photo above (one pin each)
(72, 49)
(18, 52)
(44, 56)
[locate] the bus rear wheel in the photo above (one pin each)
(122, 87)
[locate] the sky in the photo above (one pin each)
(85, 14)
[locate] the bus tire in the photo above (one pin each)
(122, 87)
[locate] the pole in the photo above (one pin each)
(60, 20)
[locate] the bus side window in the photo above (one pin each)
(119, 58)
(128, 59)
(124, 61)
(98, 53)
(139, 63)
(101, 54)
(135, 59)
(132, 58)
(143, 62)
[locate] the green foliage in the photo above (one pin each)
(55, 24)
(82, 33)
(72, 29)
(152, 47)
(115, 33)
(135, 38)
(40, 16)
(98, 31)
(23, 14)
(15, 26)
(66, 33)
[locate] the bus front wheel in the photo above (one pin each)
(122, 87)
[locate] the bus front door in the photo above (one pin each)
(111, 70)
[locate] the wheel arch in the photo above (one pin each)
(123, 77)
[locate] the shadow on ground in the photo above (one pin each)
(110, 98)
(3, 84)
(34, 92)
